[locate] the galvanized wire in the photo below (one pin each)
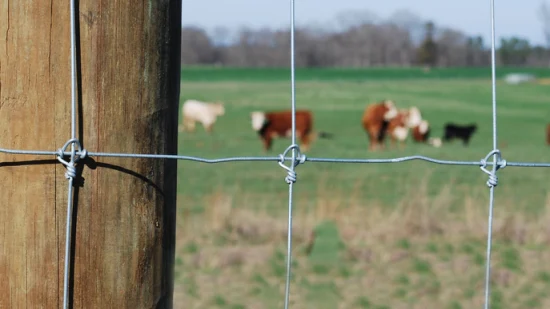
(70, 166)
(276, 159)
(291, 178)
(77, 152)
(492, 182)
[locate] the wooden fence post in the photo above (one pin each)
(124, 208)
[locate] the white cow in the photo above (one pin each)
(203, 112)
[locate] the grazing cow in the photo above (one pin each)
(270, 125)
(399, 126)
(421, 132)
(398, 129)
(414, 118)
(376, 118)
(463, 132)
(203, 112)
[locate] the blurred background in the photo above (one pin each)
(349, 33)
(406, 235)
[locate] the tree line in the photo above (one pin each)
(402, 40)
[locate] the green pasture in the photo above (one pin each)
(522, 114)
(399, 235)
(201, 73)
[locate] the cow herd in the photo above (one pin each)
(384, 118)
(380, 120)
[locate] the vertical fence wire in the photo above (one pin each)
(77, 152)
(495, 158)
(68, 229)
(292, 165)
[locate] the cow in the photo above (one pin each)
(548, 134)
(375, 120)
(398, 129)
(421, 134)
(400, 125)
(203, 112)
(463, 132)
(278, 124)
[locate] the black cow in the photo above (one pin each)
(463, 132)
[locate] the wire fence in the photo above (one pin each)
(77, 153)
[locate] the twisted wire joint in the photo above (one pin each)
(71, 165)
(300, 159)
(500, 163)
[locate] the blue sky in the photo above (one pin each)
(512, 17)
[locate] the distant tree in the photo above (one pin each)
(538, 57)
(514, 51)
(451, 48)
(196, 47)
(427, 52)
(362, 40)
(475, 51)
(259, 48)
(544, 15)
(395, 45)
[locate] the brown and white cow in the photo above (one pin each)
(398, 129)
(278, 124)
(376, 118)
(399, 126)
(421, 134)
(411, 119)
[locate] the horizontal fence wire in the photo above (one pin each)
(272, 158)
(78, 153)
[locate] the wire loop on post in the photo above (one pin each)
(500, 163)
(70, 165)
(300, 158)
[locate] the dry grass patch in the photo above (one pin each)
(420, 254)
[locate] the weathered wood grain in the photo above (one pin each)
(124, 217)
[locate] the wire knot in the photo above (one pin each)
(500, 163)
(70, 165)
(71, 171)
(299, 159)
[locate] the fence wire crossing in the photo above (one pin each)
(77, 153)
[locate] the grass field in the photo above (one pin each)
(404, 235)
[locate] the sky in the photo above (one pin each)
(512, 17)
